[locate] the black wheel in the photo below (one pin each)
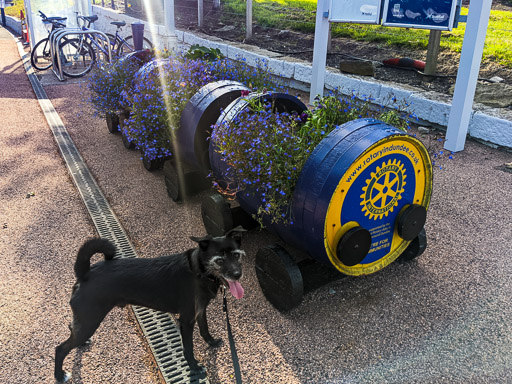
(182, 180)
(77, 58)
(112, 122)
(152, 164)
(279, 277)
(127, 46)
(416, 248)
(216, 214)
(127, 142)
(41, 57)
(410, 221)
(172, 182)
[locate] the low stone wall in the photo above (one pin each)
(14, 24)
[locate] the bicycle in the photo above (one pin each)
(77, 54)
(125, 45)
(43, 61)
(80, 53)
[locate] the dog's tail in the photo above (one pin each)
(87, 250)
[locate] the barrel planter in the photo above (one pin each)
(281, 102)
(360, 203)
(186, 174)
(364, 178)
(216, 218)
(200, 113)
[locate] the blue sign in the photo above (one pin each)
(426, 14)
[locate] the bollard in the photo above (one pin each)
(138, 35)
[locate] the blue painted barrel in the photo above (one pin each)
(197, 118)
(365, 190)
(151, 68)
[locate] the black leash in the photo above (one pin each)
(234, 356)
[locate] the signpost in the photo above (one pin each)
(436, 15)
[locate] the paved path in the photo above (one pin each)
(42, 223)
(444, 318)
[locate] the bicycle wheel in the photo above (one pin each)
(126, 46)
(77, 58)
(41, 57)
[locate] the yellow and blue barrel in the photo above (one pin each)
(361, 197)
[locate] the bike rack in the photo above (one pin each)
(55, 39)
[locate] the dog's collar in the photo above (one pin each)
(195, 266)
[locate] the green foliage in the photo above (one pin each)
(15, 9)
(199, 52)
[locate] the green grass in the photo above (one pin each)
(299, 15)
(15, 9)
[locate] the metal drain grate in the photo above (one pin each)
(161, 332)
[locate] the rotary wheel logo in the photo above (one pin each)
(383, 190)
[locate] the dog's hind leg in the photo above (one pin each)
(203, 330)
(80, 332)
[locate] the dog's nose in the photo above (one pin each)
(237, 274)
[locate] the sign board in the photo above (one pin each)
(355, 11)
(426, 14)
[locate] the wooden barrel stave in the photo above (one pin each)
(199, 114)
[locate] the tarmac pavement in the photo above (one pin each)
(443, 318)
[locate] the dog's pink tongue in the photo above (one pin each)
(236, 289)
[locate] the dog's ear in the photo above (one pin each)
(203, 242)
(236, 234)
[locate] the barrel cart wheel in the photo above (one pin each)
(128, 144)
(152, 164)
(416, 248)
(220, 215)
(112, 122)
(182, 181)
(279, 277)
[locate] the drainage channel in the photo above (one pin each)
(159, 328)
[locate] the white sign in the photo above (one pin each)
(355, 11)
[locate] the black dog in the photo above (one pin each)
(183, 283)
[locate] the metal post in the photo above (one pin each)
(4, 21)
(434, 42)
(320, 49)
(170, 26)
(248, 19)
(467, 75)
(29, 18)
(200, 13)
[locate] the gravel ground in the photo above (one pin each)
(42, 223)
(443, 318)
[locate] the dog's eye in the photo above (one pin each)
(219, 261)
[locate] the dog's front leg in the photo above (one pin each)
(203, 330)
(187, 338)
